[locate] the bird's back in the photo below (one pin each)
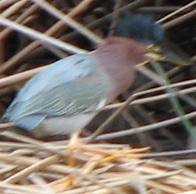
(59, 90)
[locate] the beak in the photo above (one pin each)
(155, 54)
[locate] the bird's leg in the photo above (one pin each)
(71, 147)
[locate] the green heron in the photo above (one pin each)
(65, 97)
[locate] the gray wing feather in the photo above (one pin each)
(69, 86)
(60, 72)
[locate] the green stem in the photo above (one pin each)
(174, 100)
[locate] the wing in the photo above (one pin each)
(67, 87)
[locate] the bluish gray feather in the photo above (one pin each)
(67, 87)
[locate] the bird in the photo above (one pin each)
(68, 94)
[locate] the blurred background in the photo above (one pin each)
(163, 114)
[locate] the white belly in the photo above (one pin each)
(63, 125)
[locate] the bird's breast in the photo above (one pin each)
(63, 125)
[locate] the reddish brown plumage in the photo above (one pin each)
(119, 56)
